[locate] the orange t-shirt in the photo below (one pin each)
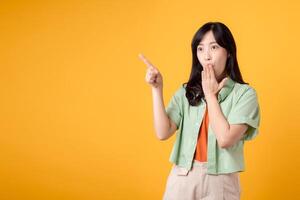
(201, 149)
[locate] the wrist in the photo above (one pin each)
(210, 96)
(157, 89)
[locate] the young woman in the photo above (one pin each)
(213, 114)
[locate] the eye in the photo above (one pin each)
(215, 47)
(199, 49)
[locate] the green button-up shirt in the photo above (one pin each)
(238, 103)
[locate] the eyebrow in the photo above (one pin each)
(209, 43)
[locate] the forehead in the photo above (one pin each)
(208, 39)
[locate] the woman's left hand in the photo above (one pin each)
(210, 85)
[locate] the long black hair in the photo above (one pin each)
(224, 38)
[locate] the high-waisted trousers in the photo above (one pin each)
(198, 185)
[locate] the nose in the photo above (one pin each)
(207, 55)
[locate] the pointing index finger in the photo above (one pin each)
(145, 60)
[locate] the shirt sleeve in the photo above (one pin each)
(174, 108)
(246, 110)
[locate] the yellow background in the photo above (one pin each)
(76, 113)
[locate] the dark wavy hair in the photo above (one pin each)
(224, 38)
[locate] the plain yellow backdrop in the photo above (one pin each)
(76, 115)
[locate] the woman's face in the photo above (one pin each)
(210, 52)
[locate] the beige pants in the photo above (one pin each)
(197, 185)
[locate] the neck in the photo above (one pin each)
(220, 78)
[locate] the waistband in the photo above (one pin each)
(202, 166)
(197, 163)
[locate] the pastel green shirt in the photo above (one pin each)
(238, 103)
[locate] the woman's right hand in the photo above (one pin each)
(153, 76)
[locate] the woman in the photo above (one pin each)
(213, 114)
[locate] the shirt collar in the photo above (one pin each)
(226, 89)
